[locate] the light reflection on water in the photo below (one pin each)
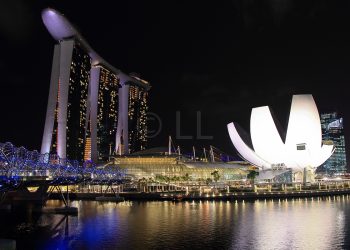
(318, 223)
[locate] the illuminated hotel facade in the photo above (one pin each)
(93, 108)
(333, 130)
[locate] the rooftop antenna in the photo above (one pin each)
(169, 146)
(212, 153)
(110, 152)
(194, 154)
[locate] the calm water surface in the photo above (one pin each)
(286, 224)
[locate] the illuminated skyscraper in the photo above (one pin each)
(89, 101)
(107, 113)
(333, 130)
(137, 117)
(77, 101)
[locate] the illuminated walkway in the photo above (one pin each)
(19, 166)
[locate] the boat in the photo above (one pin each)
(110, 198)
(178, 197)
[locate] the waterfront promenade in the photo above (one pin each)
(185, 193)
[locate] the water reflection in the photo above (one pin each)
(319, 223)
(293, 224)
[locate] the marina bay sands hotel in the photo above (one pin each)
(94, 109)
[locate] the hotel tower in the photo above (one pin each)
(94, 109)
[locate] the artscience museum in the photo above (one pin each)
(301, 150)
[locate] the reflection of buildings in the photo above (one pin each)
(93, 109)
(333, 130)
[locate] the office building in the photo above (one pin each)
(333, 131)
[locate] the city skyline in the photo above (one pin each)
(220, 66)
(174, 124)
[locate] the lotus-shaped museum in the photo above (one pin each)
(302, 147)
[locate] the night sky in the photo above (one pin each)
(218, 57)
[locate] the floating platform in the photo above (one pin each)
(110, 198)
(59, 210)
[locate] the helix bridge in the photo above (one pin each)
(19, 166)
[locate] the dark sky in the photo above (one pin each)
(218, 57)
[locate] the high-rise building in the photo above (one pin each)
(107, 113)
(93, 109)
(333, 130)
(137, 117)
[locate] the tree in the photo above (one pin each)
(167, 180)
(200, 180)
(215, 175)
(159, 178)
(175, 179)
(252, 175)
(186, 177)
(208, 181)
(142, 184)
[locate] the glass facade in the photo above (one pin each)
(153, 166)
(137, 115)
(87, 150)
(77, 103)
(107, 113)
(333, 131)
(53, 148)
(76, 106)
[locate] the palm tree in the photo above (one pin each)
(208, 181)
(215, 175)
(186, 177)
(142, 182)
(200, 180)
(160, 178)
(150, 180)
(167, 180)
(175, 179)
(252, 175)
